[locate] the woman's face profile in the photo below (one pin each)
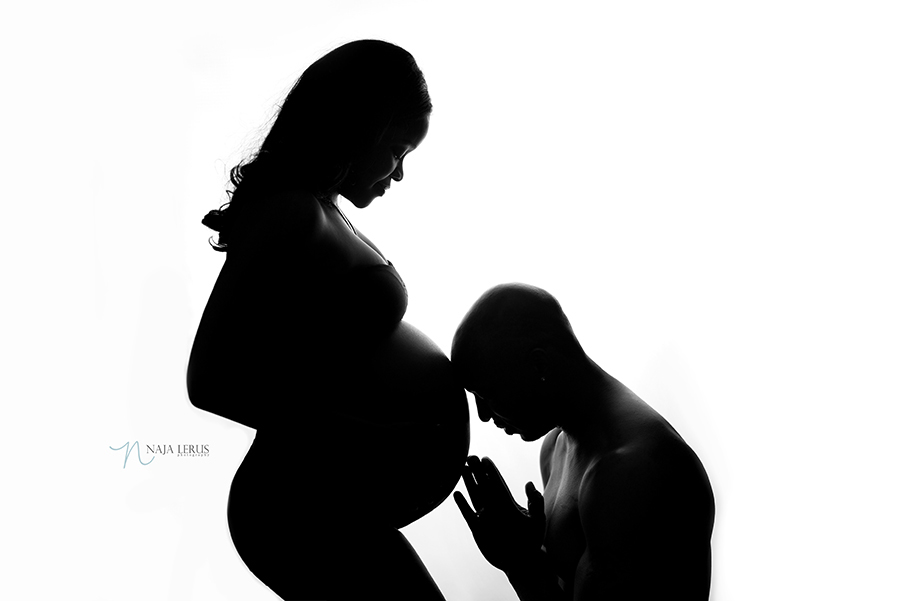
(371, 174)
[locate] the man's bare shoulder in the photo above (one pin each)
(647, 513)
(657, 477)
(658, 456)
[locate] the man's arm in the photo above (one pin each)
(536, 580)
(647, 520)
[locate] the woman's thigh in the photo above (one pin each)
(322, 545)
(336, 561)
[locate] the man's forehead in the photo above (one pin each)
(483, 383)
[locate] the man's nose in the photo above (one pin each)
(484, 413)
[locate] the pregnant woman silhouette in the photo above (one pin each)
(360, 426)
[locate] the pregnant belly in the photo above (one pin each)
(393, 435)
(404, 377)
(406, 383)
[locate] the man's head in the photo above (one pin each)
(513, 351)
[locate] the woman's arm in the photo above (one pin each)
(249, 314)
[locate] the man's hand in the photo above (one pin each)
(508, 536)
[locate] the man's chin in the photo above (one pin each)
(530, 436)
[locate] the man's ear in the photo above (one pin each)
(540, 364)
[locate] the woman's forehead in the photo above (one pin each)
(410, 132)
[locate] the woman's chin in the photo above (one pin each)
(361, 201)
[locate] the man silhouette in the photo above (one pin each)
(627, 510)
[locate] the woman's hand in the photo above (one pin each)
(509, 536)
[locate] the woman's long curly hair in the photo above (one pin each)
(338, 109)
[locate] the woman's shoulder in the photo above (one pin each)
(291, 219)
(298, 211)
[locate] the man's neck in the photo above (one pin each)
(596, 405)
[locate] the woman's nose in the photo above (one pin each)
(397, 175)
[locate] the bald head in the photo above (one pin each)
(505, 325)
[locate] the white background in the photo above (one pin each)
(709, 189)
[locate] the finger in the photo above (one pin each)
(532, 493)
(535, 501)
(495, 481)
(472, 488)
(486, 488)
(464, 508)
(476, 467)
